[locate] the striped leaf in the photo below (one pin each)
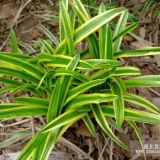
(48, 47)
(95, 23)
(25, 66)
(131, 98)
(63, 61)
(101, 120)
(88, 122)
(66, 22)
(147, 51)
(126, 30)
(22, 110)
(60, 91)
(48, 33)
(119, 28)
(93, 98)
(63, 119)
(84, 17)
(32, 101)
(78, 76)
(74, 92)
(118, 103)
(126, 71)
(134, 115)
(105, 39)
(18, 73)
(138, 132)
(144, 81)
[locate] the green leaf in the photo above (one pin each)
(6, 89)
(118, 103)
(93, 98)
(119, 28)
(74, 92)
(131, 98)
(115, 72)
(18, 73)
(28, 151)
(134, 115)
(10, 82)
(16, 55)
(63, 61)
(146, 5)
(103, 73)
(84, 17)
(22, 110)
(28, 87)
(48, 33)
(63, 119)
(66, 21)
(60, 91)
(95, 23)
(80, 10)
(144, 81)
(88, 122)
(78, 76)
(105, 39)
(147, 51)
(128, 29)
(101, 63)
(126, 71)
(32, 101)
(25, 66)
(14, 43)
(138, 132)
(101, 120)
(44, 145)
(48, 47)
(61, 26)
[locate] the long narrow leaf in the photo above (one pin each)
(82, 88)
(94, 98)
(60, 91)
(144, 81)
(147, 51)
(119, 28)
(131, 98)
(95, 23)
(105, 39)
(118, 103)
(135, 115)
(101, 120)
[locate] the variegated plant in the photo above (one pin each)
(68, 82)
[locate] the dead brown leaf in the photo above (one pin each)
(155, 132)
(83, 130)
(157, 60)
(141, 44)
(8, 10)
(142, 32)
(127, 38)
(156, 101)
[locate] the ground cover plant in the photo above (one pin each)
(79, 77)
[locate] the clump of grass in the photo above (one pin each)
(68, 83)
(151, 7)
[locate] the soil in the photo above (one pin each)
(77, 143)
